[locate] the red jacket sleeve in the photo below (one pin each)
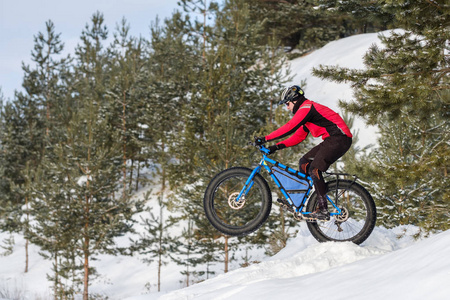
(295, 139)
(297, 121)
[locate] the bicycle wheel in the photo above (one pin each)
(229, 216)
(358, 216)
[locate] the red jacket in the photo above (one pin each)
(310, 117)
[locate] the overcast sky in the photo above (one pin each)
(20, 20)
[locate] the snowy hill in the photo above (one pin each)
(347, 52)
(337, 271)
(382, 267)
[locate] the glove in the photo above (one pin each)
(260, 140)
(273, 149)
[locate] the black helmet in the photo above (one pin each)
(290, 93)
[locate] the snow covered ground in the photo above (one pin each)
(380, 269)
(383, 267)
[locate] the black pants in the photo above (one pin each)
(319, 159)
(327, 152)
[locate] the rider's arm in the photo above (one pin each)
(298, 120)
(298, 137)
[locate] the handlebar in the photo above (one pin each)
(261, 148)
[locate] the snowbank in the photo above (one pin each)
(384, 266)
(337, 270)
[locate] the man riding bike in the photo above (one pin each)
(319, 120)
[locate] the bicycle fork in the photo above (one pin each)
(248, 184)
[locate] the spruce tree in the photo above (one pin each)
(357, 160)
(404, 90)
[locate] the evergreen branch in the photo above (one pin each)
(434, 4)
(443, 87)
(444, 71)
(278, 1)
(110, 209)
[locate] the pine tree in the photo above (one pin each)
(206, 10)
(169, 77)
(22, 148)
(155, 241)
(168, 82)
(186, 253)
(164, 85)
(78, 211)
(3, 180)
(126, 61)
(357, 16)
(28, 120)
(229, 102)
(405, 90)
(43, 82)
(308, 24)
(90, 138)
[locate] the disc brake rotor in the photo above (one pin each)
(343, 216)
(236, 204)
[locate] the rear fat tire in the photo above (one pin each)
(254, 212)
(358, 228)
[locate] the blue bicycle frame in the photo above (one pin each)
(264, 164)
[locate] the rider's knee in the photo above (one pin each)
(304, 164)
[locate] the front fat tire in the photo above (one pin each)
(361, 208)
(237, 222)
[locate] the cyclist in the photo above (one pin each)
(319, 120)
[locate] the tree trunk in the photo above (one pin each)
(26, 255)
(130, 183)
(137, 174)
(26, 240)
(124, 145)
(86, 247)
(56, 278)
(159, 272)
(226, 254)
(86, 269)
